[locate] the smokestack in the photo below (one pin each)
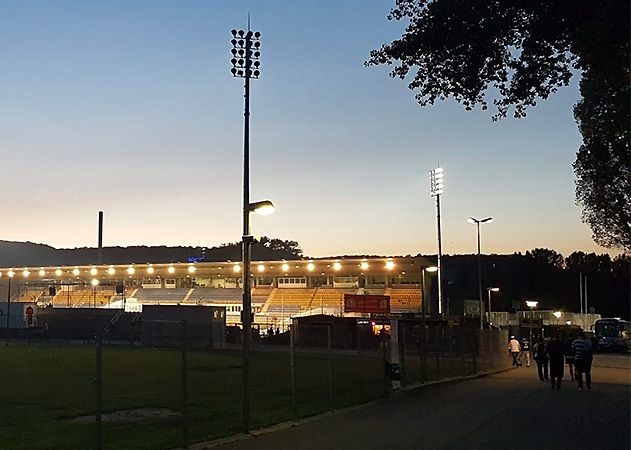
(100, 252)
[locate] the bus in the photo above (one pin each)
(613, 334)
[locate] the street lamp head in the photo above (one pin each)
(262, 208)
(568, 322)
(472, 220)
(431, 269)
(94, 282)
(557, 314)
(531, 303)
(493, 289)
(487, 220)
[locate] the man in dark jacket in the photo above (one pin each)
(541, 358)
(555, 353)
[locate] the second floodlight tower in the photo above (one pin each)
(436, 189)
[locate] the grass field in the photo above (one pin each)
(46, 387)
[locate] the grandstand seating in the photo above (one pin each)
(404, 299)
(29, 295)
(82, 297)
(288, 301)
(206, 294)
(171, 295)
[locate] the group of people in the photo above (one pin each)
(554, 353)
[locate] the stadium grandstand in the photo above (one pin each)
(281, 289)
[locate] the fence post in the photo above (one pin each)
(330, 351)
(402, 354)
(99, 384)
(361, 362)
(292, 366)
(184, 377)
(462, 352)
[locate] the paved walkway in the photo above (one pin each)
(512, 410)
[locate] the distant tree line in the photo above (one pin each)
(28, 254)
(544, 275)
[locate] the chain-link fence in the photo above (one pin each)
(111, 380)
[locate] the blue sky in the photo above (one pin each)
(130, 107)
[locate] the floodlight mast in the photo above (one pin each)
(246, 64)
(436, 189)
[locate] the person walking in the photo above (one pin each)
(541, 358)
(514, 348)
(555, 353)
(569, 354)
(525, 350)
(583, 356)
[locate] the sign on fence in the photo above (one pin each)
(361, 303)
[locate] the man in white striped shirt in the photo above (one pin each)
(583, 360)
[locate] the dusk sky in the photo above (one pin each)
(130, 107)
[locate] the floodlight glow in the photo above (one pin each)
(431, 269)
(93, 271)
(25, 273)
(42, 272)
(76, 272)
(111, 271)
(310, 267)
(557, 314)
(389, 265)
(364, 265)
(192, 269)
(261, 268)
(236, 268)
(131, 270)
(150, 270)
(171, 269)
(11, 273)
(285, 267)
(94, 282)
(337, 266)
(58, 272)
(263, 208)
(531, 303)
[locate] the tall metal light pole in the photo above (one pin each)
(246, 64)
(423, 338)
(477, 222)
(10, 274)
(489, 290)
(532, 304)
(436, 189)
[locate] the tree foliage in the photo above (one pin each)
(517, 52)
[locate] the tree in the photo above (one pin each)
(519, 52)
(291, 247)
(546, 256)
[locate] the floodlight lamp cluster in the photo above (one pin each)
(436, 181)
(246, 54)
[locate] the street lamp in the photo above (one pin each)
(94, 284)
(436, 184)
(246, 53)
(489, 290)
(477, 222)
(557, 314)
(10, 274)
(532, 304)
